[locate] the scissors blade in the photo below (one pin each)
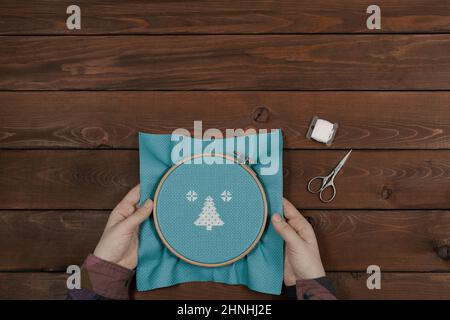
(342, 162)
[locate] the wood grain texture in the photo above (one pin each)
(369, 120)
(33, 286)
(393, 240)
(321, 62)
(348, 286)
(204, 291)
(98, 179)
(48, 240)
(218, 17)
(66, 180)
(349, 240)
(394, 286)
(283, 45)
(372, 179)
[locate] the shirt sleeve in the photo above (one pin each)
(101, 279)
(314, 289)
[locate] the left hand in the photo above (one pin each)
(119, 242)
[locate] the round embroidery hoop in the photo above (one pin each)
(260, 214)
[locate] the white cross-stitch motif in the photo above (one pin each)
(191, 196)
(209, 217)
(226, 196)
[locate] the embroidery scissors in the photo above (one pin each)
(328, 181)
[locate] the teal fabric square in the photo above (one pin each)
(260, 270)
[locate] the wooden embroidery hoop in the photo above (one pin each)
(243, 254)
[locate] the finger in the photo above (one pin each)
(298, 222)
(132, 197)
(134, 220)
(290, 211)
(125, 207)
(285, 230)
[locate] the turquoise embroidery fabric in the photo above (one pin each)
(210, 203)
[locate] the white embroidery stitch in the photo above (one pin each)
(209, 217)
(226, 196)
(191, 196)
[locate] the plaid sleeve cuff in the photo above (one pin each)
(106, 279)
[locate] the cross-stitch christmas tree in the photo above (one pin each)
(209, 216)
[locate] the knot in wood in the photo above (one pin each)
(96, 136)
(442, 248)
(386, 193)
(261, 115)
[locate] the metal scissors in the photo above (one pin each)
(328, 181)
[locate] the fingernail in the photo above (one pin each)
(276, 217)
(148, 204)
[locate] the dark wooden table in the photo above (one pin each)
(72, 102)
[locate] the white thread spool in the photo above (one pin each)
(322, 131)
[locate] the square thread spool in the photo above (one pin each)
(322, 131)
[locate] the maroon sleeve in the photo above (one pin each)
(315, 289)
(101, 279)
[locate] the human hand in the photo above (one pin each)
(119, 241)
(302, 257)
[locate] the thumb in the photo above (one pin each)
(135, 219)
(285, 230)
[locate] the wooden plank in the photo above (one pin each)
(324, 62)
(394, 240)
(41, 285)
(218, 17)
(372, 179)
(33, 286)
(90, 180)
(348, 286)
(48, 240)
(402, 286)
(369, 120)
(204, 291)
(65, 179)
(98, 179)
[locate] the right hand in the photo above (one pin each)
(302, 258)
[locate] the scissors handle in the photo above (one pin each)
(326, 182)
(321, 186)
(326, 200)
